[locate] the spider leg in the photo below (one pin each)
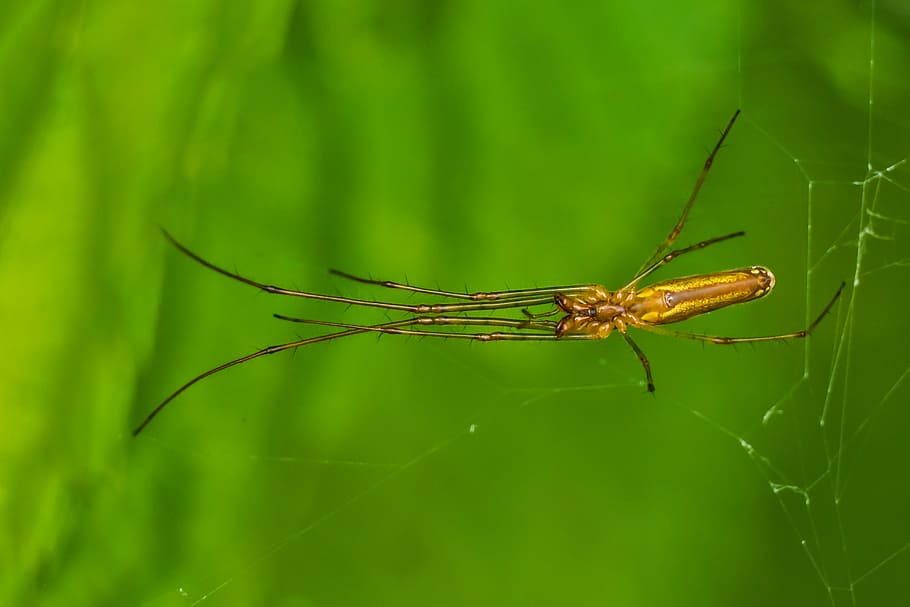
(677, 252)
(457, 321)
(394, 328)
(801, 334)
(530, 314)
(481, 301)
(269, 350)
(494, 300)
(674, 233)
(478, 296)
(643, 359)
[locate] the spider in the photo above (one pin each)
(588, 312)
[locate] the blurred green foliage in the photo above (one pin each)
(476, 145)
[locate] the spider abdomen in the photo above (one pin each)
(681, 298)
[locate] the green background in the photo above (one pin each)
(469, 145)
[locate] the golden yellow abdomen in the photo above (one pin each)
(681, 298)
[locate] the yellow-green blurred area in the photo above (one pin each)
(464, 146)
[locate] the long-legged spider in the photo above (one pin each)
(588, 311)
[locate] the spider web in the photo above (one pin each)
(823, 447)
